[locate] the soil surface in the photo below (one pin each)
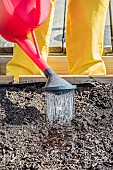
(28, 142)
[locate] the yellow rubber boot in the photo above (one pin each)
(84, 36)
(21, 64)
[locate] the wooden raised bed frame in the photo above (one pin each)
(73, 79)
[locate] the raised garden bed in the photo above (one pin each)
(28, 142)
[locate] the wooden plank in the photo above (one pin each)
(6, 79)
(111, 16)
(32, 78)
(57, 30)
(108, 60)
(59, 64)
(3, 61)
(107, 45)
(6, 47)
(73, 79)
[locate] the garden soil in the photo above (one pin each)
(29, 142)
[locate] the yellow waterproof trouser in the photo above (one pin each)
(21, 64)
(84, 37)
(84, 40)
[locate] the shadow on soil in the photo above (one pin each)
(17, 113)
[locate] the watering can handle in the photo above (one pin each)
(35, 41)
(33, 52)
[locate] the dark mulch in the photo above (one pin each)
(28, 142)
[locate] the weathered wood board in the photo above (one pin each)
(111, 16)
(6, 79)
(107, 34)
(56, 43)
(73, 79)
(58, 64)
(4, 59)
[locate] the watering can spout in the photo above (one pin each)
(54, 82)
(33, 52)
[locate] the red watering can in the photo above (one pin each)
(20, 17)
